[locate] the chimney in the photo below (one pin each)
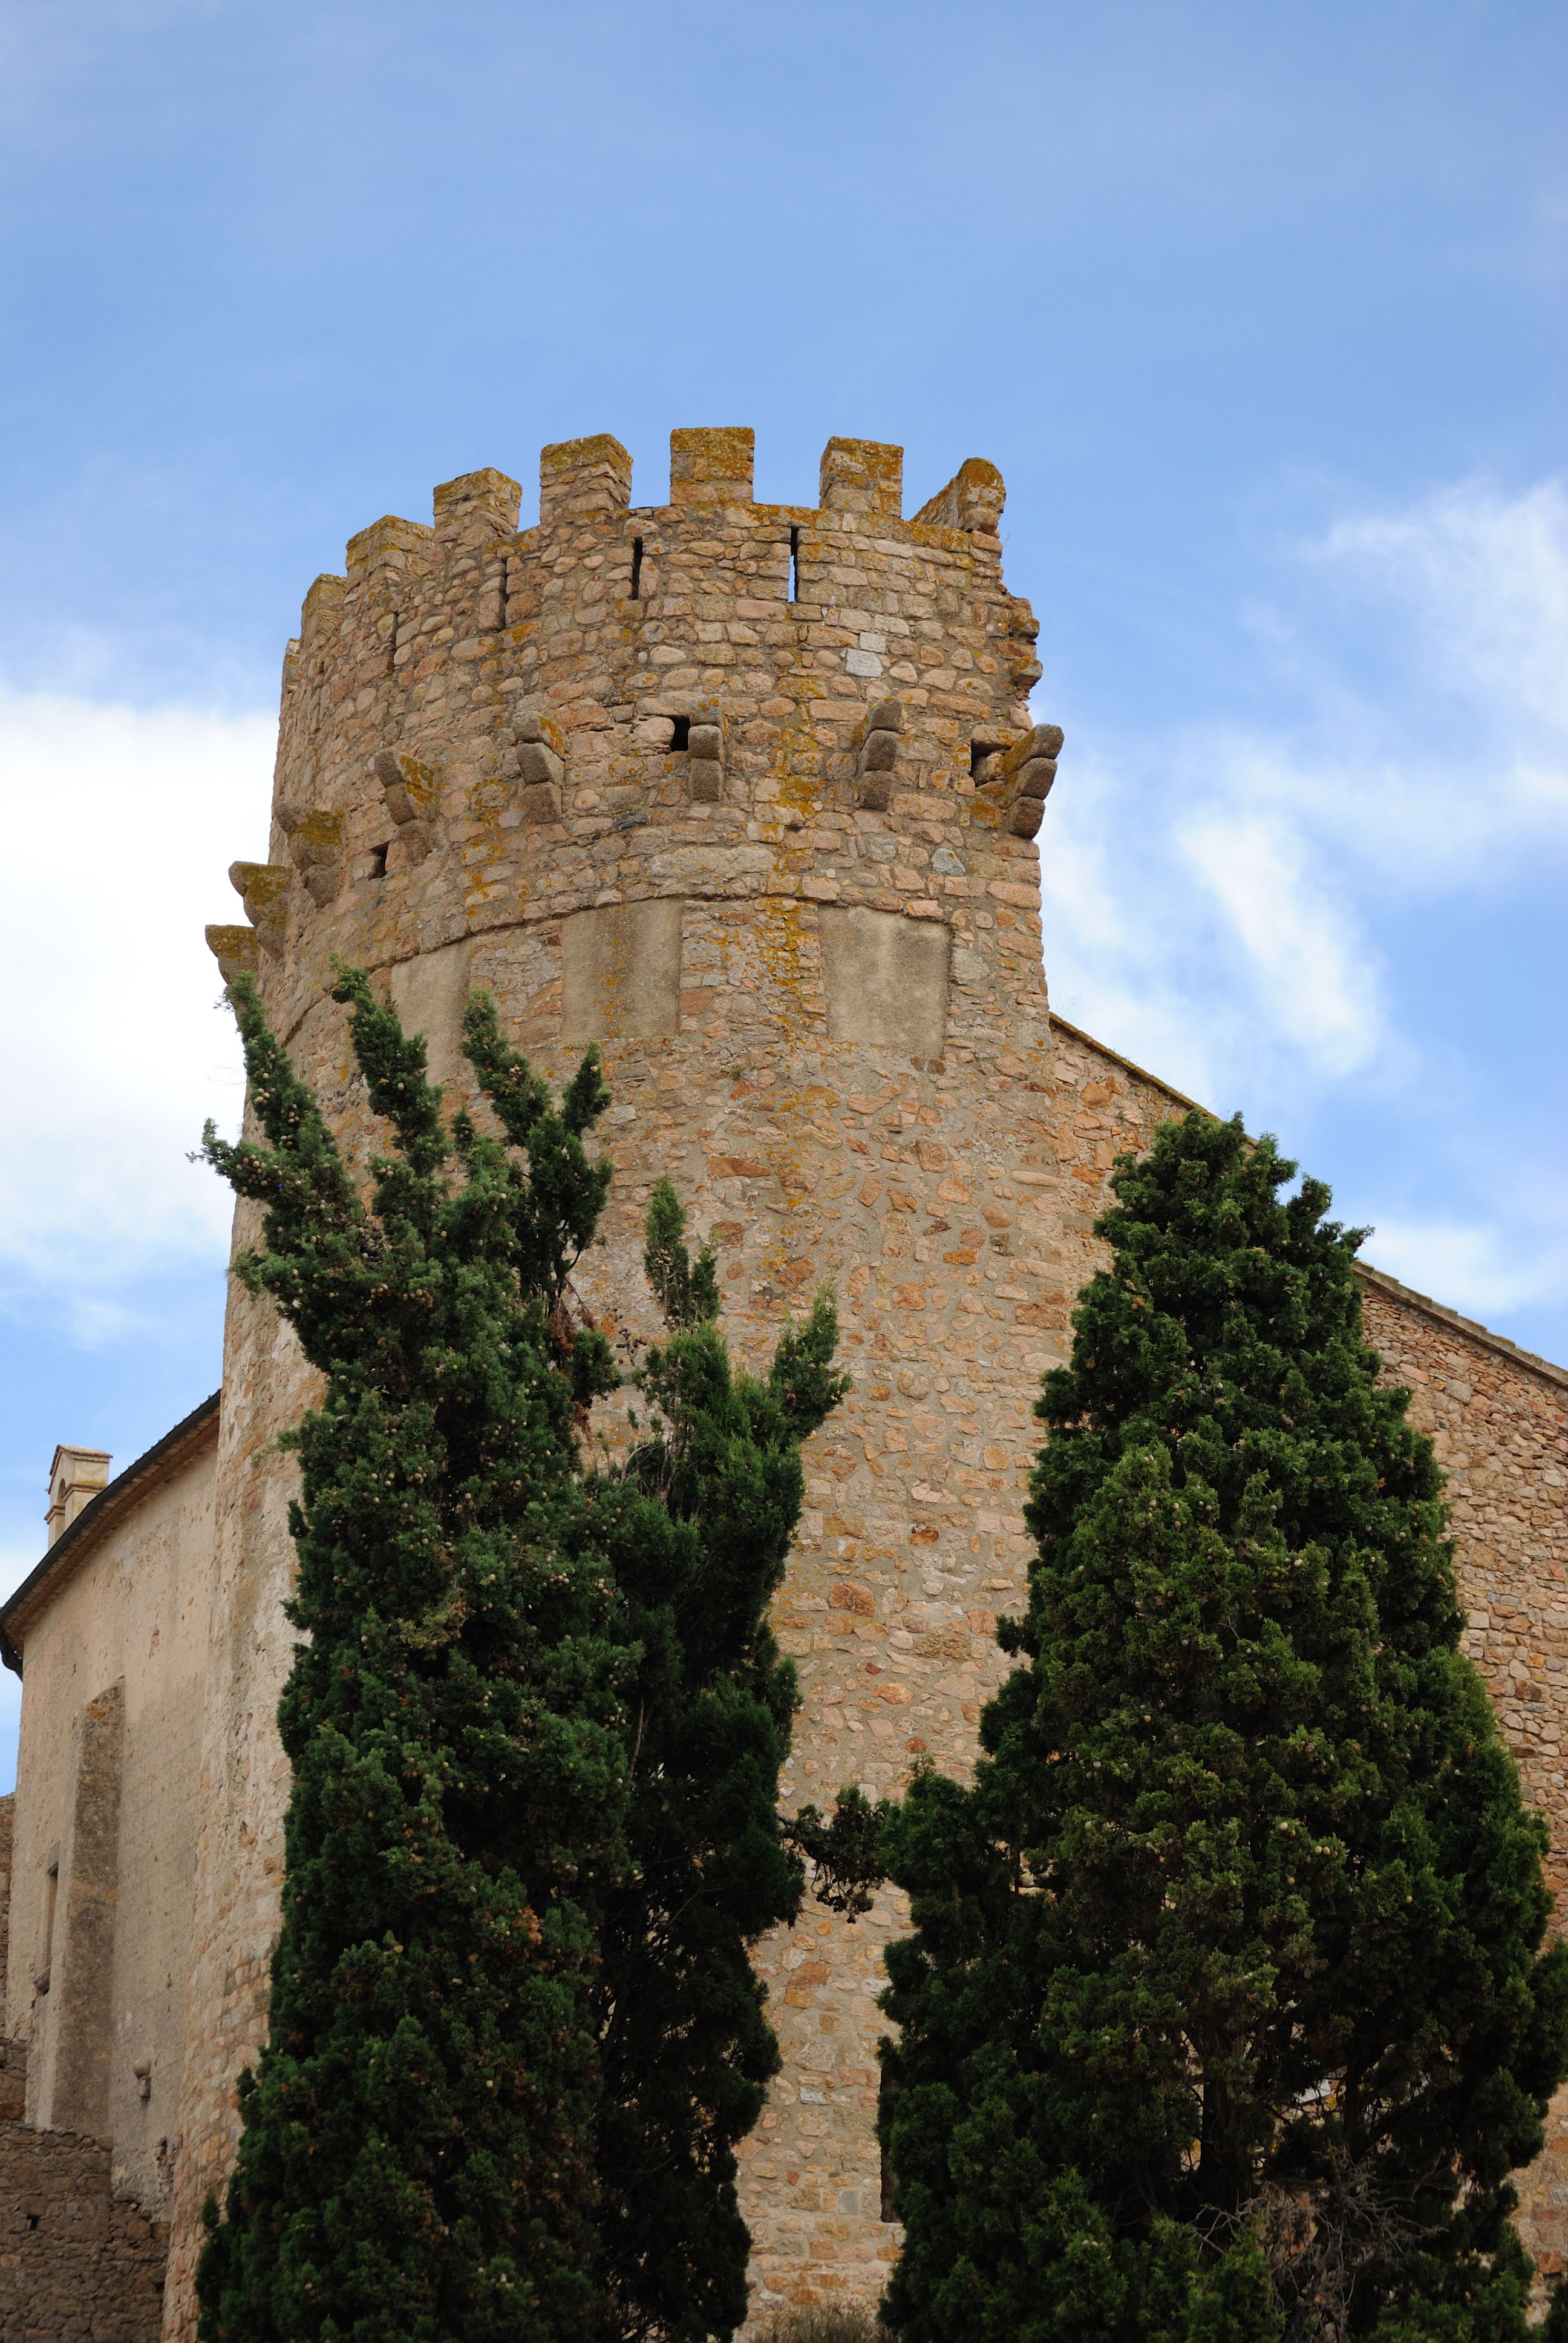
(76, 1477)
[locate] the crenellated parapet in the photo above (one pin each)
(485, 728)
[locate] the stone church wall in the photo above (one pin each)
(1499, 1420)
(115, 1652)
(73, 2261)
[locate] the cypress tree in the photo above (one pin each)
(416, 2157)
(1226, 2013)
(687, 2048)
(535, 1733)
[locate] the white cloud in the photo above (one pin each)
(1220, 901)
(1492, 1269)
(1190, 914)
(120, 826)
(1476, 582)
(1311, 971)
(1453, 776)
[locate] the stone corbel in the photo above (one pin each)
(234, 950)
(316, 850)
(263, 887)
(876, 764)
(412, 790)
(704, 755)
(1015, 782)
(1023, 667)
(541, 767)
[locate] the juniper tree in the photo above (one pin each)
(687, 2048)
(535, 1733)
(417, 2157)
(1226, 2013)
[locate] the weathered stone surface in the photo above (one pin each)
(1498, 1419)
(114, 1644)
(887, 979)
(621, 971)
(711, 468)
(972, 499)
(429, 993)
(234, 950)
(75, 2262)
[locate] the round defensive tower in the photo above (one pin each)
(746, 793)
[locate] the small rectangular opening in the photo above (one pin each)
(885, 2092)
(378, 861)
(679, 733)
(636, 595)
(982, 760)
(51, 1894)
(794, 565)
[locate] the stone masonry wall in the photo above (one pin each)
(620, 768)
(748, 794)
(119, 1640)
(74, 2263)
(1499, 1420)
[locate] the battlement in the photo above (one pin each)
(489, 728)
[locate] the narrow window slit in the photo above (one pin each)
(794, 565)
(636, 569)
(392, 646)
(679, 733)
(378, 861)
(886, 2090)
(51, 1894)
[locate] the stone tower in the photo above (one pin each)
(746, 793)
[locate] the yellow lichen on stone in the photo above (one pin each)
(234, 949)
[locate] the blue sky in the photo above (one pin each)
(1259, 309)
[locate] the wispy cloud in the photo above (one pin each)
(1312, 973)
(1473, 588)
(1219, 899)
(120, 826)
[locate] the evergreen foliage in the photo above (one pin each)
(688, 2051)
(536, 1732)
(1226, 2015)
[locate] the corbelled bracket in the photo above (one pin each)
(263, 887)
(541, 767)
(704, 755)
(412, 790)
(234, 950)
(316, 850)
(1023, 667)
(877, 763)
(1015, 782)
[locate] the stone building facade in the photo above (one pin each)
(748, 795)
